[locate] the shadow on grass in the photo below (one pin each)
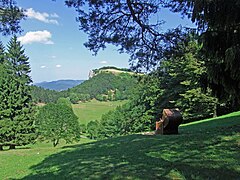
(6, 148)
(196, 156)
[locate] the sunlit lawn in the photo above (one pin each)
(17, 163)
(94, 109)
(204, 150)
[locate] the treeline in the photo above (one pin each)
(41, 95)
(177, 83)
(103, 87)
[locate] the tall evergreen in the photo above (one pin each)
(2, 53)
(2, 78)
(218, 22)
(16, 108)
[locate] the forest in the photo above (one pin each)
(195, 70)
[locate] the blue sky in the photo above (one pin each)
(54, 43)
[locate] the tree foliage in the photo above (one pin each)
(126, 24)
(57, 121)
(10, 16)
(104, 84)
(16, 108)
(175, 84)
(181, 82)
(130, 25)
(41, 95)
(219, 23)
(93, 129)
(117, 86)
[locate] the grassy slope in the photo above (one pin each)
(93, 110)
(203, 150)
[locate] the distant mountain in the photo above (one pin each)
(59, 85)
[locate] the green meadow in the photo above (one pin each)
(207, 149)
(93, 110)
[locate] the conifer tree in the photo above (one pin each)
(2, 53)
(16, 108)
(2, 77)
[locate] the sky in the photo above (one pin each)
(54, 44)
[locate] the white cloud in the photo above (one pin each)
(58, 66)
(54, 15)
(43, 37)
(53, 57)
(103, 62)
(42, 67)
(44, 17)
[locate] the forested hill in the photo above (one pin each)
(107, 86)
(103, 86)
(59, 85)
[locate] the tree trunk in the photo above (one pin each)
(1, 147)
(215, 108)
(55, 142)
(12, 147)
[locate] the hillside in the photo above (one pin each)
(107, 86)
(207, 149)
(59, 85)
(41, 95)
(104, 86)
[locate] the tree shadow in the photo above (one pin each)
(6, 148)
(187, 156)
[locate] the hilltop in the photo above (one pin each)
(110, 69)
(107, 84)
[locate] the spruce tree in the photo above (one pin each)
(2, 78)
(16, 103)
(2, 53)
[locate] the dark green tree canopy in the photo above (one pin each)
(16, 108)
(18, 60)
(219, 22)
(2, 52)
(129, 24)
(10, 17)
(57, 121)
(126, 24)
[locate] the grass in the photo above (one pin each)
(208, 149)
(16, 164)
(94, 109)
